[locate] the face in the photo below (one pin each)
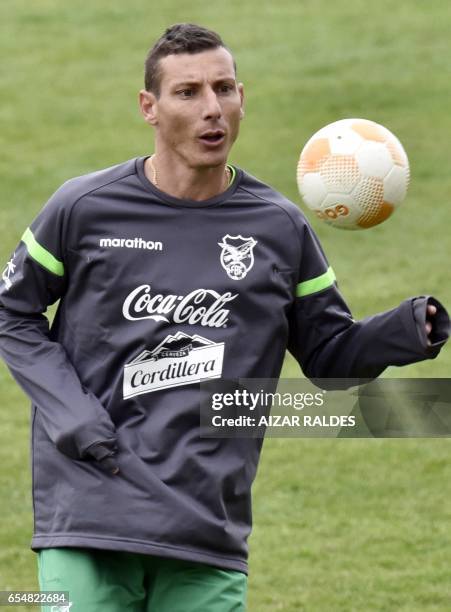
(198, 113)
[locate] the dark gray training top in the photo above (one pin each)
(156, 295)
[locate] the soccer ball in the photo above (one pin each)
(353, 173)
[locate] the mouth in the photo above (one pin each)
(212, 138)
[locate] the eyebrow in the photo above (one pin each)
(196, 82)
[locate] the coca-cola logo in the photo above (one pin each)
(200, 307)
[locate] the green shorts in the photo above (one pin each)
(110, 581)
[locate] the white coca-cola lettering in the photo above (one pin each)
(191, 308)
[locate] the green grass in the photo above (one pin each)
(339, 524)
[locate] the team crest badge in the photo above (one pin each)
(237, 256)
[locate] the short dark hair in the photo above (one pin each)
(179, 38)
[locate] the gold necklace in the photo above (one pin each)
(228, 173)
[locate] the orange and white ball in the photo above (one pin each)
(353, 173)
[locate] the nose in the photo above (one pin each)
(211, 107)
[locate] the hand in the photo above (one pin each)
(108, 464)
(104, 454)
(431, 311)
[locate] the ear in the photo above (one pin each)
(148, 106)
(241, 92)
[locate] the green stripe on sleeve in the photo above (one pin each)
(41, 255)
(316, 284)
(233, 173)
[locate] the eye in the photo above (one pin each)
(225, 88)
(186, 93)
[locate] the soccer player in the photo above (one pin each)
(170, 269)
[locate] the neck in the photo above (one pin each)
(186, 183)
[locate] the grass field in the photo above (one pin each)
(341, 525)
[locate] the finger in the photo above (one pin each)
(428, 327)
(108, 464)
(431, 309)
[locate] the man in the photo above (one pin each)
(171, 269)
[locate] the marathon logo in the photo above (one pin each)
(131, 243)
(179, 360)
(8, 272)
